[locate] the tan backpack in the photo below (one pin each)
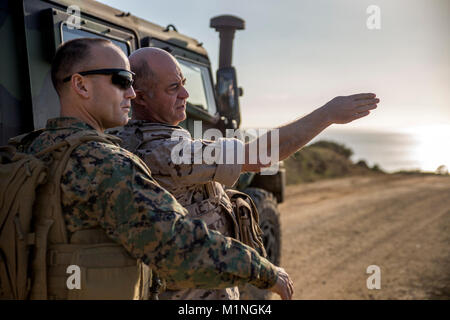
(31, 218)
(20, 175)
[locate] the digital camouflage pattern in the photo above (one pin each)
(195, 186)
(103, 186)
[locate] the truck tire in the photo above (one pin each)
(269, 221)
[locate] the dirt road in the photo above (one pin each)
(334, 229)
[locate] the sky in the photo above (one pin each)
(295, 56)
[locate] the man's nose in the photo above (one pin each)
(129, 93)
(184, 94)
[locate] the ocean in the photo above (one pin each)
(423, 149)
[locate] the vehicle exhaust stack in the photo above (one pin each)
(226, 25)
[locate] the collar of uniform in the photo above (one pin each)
(67, 122)
(140, 123)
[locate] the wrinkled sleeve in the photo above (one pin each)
(194, 161)
(147, 220)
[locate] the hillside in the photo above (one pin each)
(322, 160)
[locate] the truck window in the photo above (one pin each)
(199, 86)
(69, 34)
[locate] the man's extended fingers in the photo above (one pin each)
(292, 286)
(366, 108)
(364, 102)
(287, 294)
(362, 96)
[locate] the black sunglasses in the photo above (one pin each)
(120, 77)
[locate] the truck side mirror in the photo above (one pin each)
(228, 94)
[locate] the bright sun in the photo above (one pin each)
(432, 147)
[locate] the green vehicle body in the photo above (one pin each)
(31, 30)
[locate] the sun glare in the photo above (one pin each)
(432, 149)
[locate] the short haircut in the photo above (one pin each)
(69, 56)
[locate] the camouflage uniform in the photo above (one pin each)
(103, 187)
(198, 187)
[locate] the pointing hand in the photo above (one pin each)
(348, 108)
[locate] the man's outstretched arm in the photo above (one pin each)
(298, 133)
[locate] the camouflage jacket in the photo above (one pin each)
(196, 185)
(103, 187)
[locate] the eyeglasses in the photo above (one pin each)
(120, 77)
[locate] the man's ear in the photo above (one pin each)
(80, 85)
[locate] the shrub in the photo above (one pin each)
(336, 147)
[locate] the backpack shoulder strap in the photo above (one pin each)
(49, 206)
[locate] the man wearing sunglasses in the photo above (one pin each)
(115, 213)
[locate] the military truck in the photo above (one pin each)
(31, 31)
